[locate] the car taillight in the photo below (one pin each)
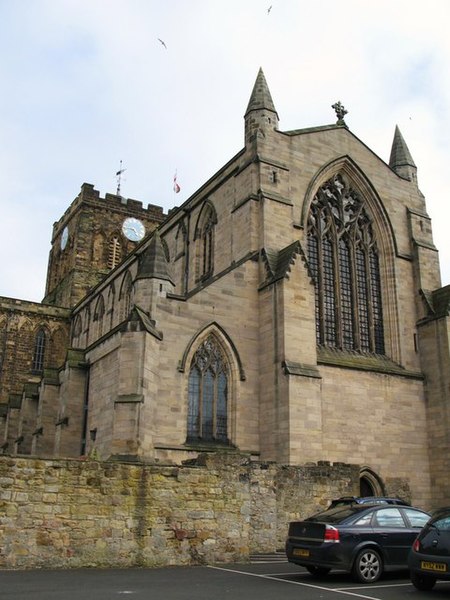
(331, 534)
(416, 546)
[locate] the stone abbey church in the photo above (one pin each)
(291, 309)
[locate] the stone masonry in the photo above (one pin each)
(219, 508)
(290, 310)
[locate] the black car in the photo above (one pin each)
(345, 500)
(363, 539)
(429, 558)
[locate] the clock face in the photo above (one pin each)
(64, 238)
(133, 229)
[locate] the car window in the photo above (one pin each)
(335, 515)
(416, 517)
(443, 524)
(388, 517)
(364, 521)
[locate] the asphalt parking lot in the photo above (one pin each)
(263, 580)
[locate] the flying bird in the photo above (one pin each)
(162, 42)
(269, 9)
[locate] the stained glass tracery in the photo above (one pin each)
(208, 394)
(343, 257)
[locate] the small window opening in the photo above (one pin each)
(39, 351)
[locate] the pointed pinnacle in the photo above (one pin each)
(260, 97)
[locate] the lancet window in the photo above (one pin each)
(39, 351)
(344, 260)
(125, 296)
(207, 247)
(208, 394)
(98, 316)
(205, 241)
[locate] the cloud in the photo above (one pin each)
(88, 84)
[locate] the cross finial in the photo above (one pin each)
(340, 112)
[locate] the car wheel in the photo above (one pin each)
(422, 582)
(318, 571)
(368, 566)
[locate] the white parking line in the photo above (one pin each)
(300, 583)
(372, 586)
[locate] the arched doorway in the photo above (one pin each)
(369, 483)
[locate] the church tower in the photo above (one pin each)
(92, 237)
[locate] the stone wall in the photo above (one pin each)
(218, 508)
(19, 323)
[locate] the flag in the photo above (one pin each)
(176, 187)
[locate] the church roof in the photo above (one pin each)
(278, 262)
(260, 97)
(153, 262)
(139, 320)
(400, 155)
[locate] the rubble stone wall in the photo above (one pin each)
(218, 508)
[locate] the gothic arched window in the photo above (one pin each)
(98, 315)
(343, 257)
(39, 351)
(204, 235)
(181, 255)
(180, 241)
(125, 296)
(208, 394)
(77, 329)
(207, 238)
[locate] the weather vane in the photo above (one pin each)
(119, 176)
(340, 112)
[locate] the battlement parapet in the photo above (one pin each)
(89, 195)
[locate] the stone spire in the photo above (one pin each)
(260, 115)
(401, 160)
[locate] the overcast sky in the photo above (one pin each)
(86, 84)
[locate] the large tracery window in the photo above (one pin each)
(343, 257)
(208, 394)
